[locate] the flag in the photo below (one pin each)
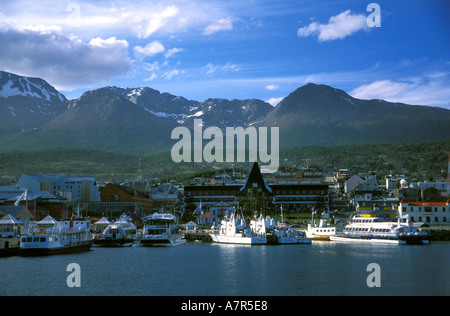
(22, 197)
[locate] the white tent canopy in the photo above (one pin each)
(48, 220)
(9, 219)
(102, 220)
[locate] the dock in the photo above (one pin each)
(9, 247)
(198, 235)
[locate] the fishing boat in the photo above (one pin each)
(50, 237)
(161, 230)
(233, 230)
(121, 233)
(286, 235)
(378, 230)
(322, 231)
(283, 232)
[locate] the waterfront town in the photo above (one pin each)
(293, 195)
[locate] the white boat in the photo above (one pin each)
(233, 230)
(285, 235)
(161, 230)
(322, 231)
(50, 237)
(377, 230)
(121, 233)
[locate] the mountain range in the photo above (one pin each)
(34, 115)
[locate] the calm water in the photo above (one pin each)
(200, 269)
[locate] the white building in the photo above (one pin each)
(352, 183)
(75, 189)
(441, 186)
(437, 213)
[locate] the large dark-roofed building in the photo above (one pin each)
(292, 197)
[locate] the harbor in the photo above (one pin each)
(210, 269)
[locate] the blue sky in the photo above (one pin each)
(233, 49)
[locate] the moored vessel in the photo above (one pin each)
(233, 230)
(322, 231)
(378, 230)
(50, 237)
(286, 235)
(121, 233)
(161, 230)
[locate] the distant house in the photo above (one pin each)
(114, 193)
(370, 184)
(190, 226)
(74, 189)
(143, 196)
(40, 204)
(352, 183)
(433, 213)
(219, 210)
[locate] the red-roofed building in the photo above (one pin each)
(437, 213)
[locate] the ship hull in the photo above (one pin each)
(238, 240)
(161, 242)
(113, 242)
(30, 252)
(368, 240)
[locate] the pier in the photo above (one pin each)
(198, 235)
(9, 247)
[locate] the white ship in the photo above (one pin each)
(378, 230)
(122, 233)
(322, 231)
(161, 230)
(285, 235)
(233, 230)
(50, 237)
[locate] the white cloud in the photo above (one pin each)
(432, 92)
(211, 68)
(338, 27)
(151, 49)
(172, 52)
(66, 62)
(147, 24)
(271, 87)
(218, 25)
(173, 73)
